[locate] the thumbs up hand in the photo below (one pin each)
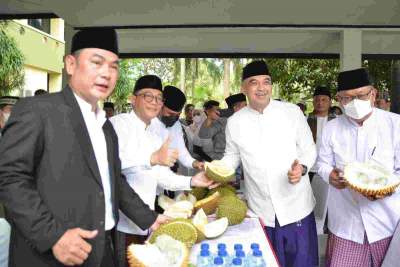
(294, 174)
(164, 156)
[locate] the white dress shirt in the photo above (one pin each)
(94, 121)
(267, 144)
(343, 141)
(138, 141)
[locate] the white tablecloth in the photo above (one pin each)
(249, 231)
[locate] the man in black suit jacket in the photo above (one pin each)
(61, 193)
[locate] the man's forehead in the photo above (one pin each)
(364, 89)
(150, 90)
(106, 54)
(259, 77)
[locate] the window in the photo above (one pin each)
(40, 24)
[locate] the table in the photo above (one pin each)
(249, 231)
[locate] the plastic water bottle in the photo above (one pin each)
(238, 247)
(219, 262)
(204, 259)
(205, 246)
(222, 253)
(256, 260)
(237, 262)
(241, 255)
(221, 246)
(255, 246)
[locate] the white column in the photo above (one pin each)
(68, 33)
(351, 50)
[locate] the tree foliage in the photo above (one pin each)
(11, 63)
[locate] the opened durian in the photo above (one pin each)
(208, 204)
(217, 171)
(179, 229)
(232, 208)
(370, 179)
(165, 252)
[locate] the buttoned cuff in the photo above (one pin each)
(324, 171)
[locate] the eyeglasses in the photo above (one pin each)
(347, 99)
(148, 97)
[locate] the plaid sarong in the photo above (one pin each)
(345, 253)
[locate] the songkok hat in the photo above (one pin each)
(108, 105)
(322, 90)
(233, 99)
(353, 79)
(95, 38)
(174, 98)
(8, 100)
(148, 81)
(255, 68)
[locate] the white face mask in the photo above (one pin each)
(6, 116)
(197, 119)
(358, 109)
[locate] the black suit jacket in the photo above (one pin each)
(50, 181)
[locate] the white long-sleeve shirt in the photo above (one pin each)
(136, 141)
(94, 121)
(343, 141)
(267, 144)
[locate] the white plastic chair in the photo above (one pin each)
(321, 193)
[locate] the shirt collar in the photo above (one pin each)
(86, 108)
(370, 122)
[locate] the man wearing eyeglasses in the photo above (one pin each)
(360, 228)
(146, 155)
(274, 143)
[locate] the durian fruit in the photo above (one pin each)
(186, 196)
(179, 229)
(164, 201)
(209, 204)
(199, 220)
(224, 190)
(369, 179)
(216, 228)
(232, 208)
(179, 209)
(199, 192)
(217, 171)
(165, 251)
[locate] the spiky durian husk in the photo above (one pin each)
(368, 192)
(209, 204)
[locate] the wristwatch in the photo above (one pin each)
(305, 169)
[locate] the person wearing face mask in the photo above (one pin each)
(360, 228)
(188, 120)
(174, 100)
(6, 105)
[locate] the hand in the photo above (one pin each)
(72, 249)
(201, 180)
(198, 165)
(295, 172)
(161, 219)
(164, 156)
(336, 179)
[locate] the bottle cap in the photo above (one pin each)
(204, 253)
(238, 246)
(204, 246)
(254, 246)
(221, 246)
(218, 261)
(240, 253)
(237, 261)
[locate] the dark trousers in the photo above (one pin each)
(108, 255)
(295, 244)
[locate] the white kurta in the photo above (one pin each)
(136, 143)
(343, 141)
(267, 144)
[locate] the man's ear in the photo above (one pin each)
(70, 64)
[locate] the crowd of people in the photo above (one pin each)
(79, 183)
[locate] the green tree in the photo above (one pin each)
(11, 63)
